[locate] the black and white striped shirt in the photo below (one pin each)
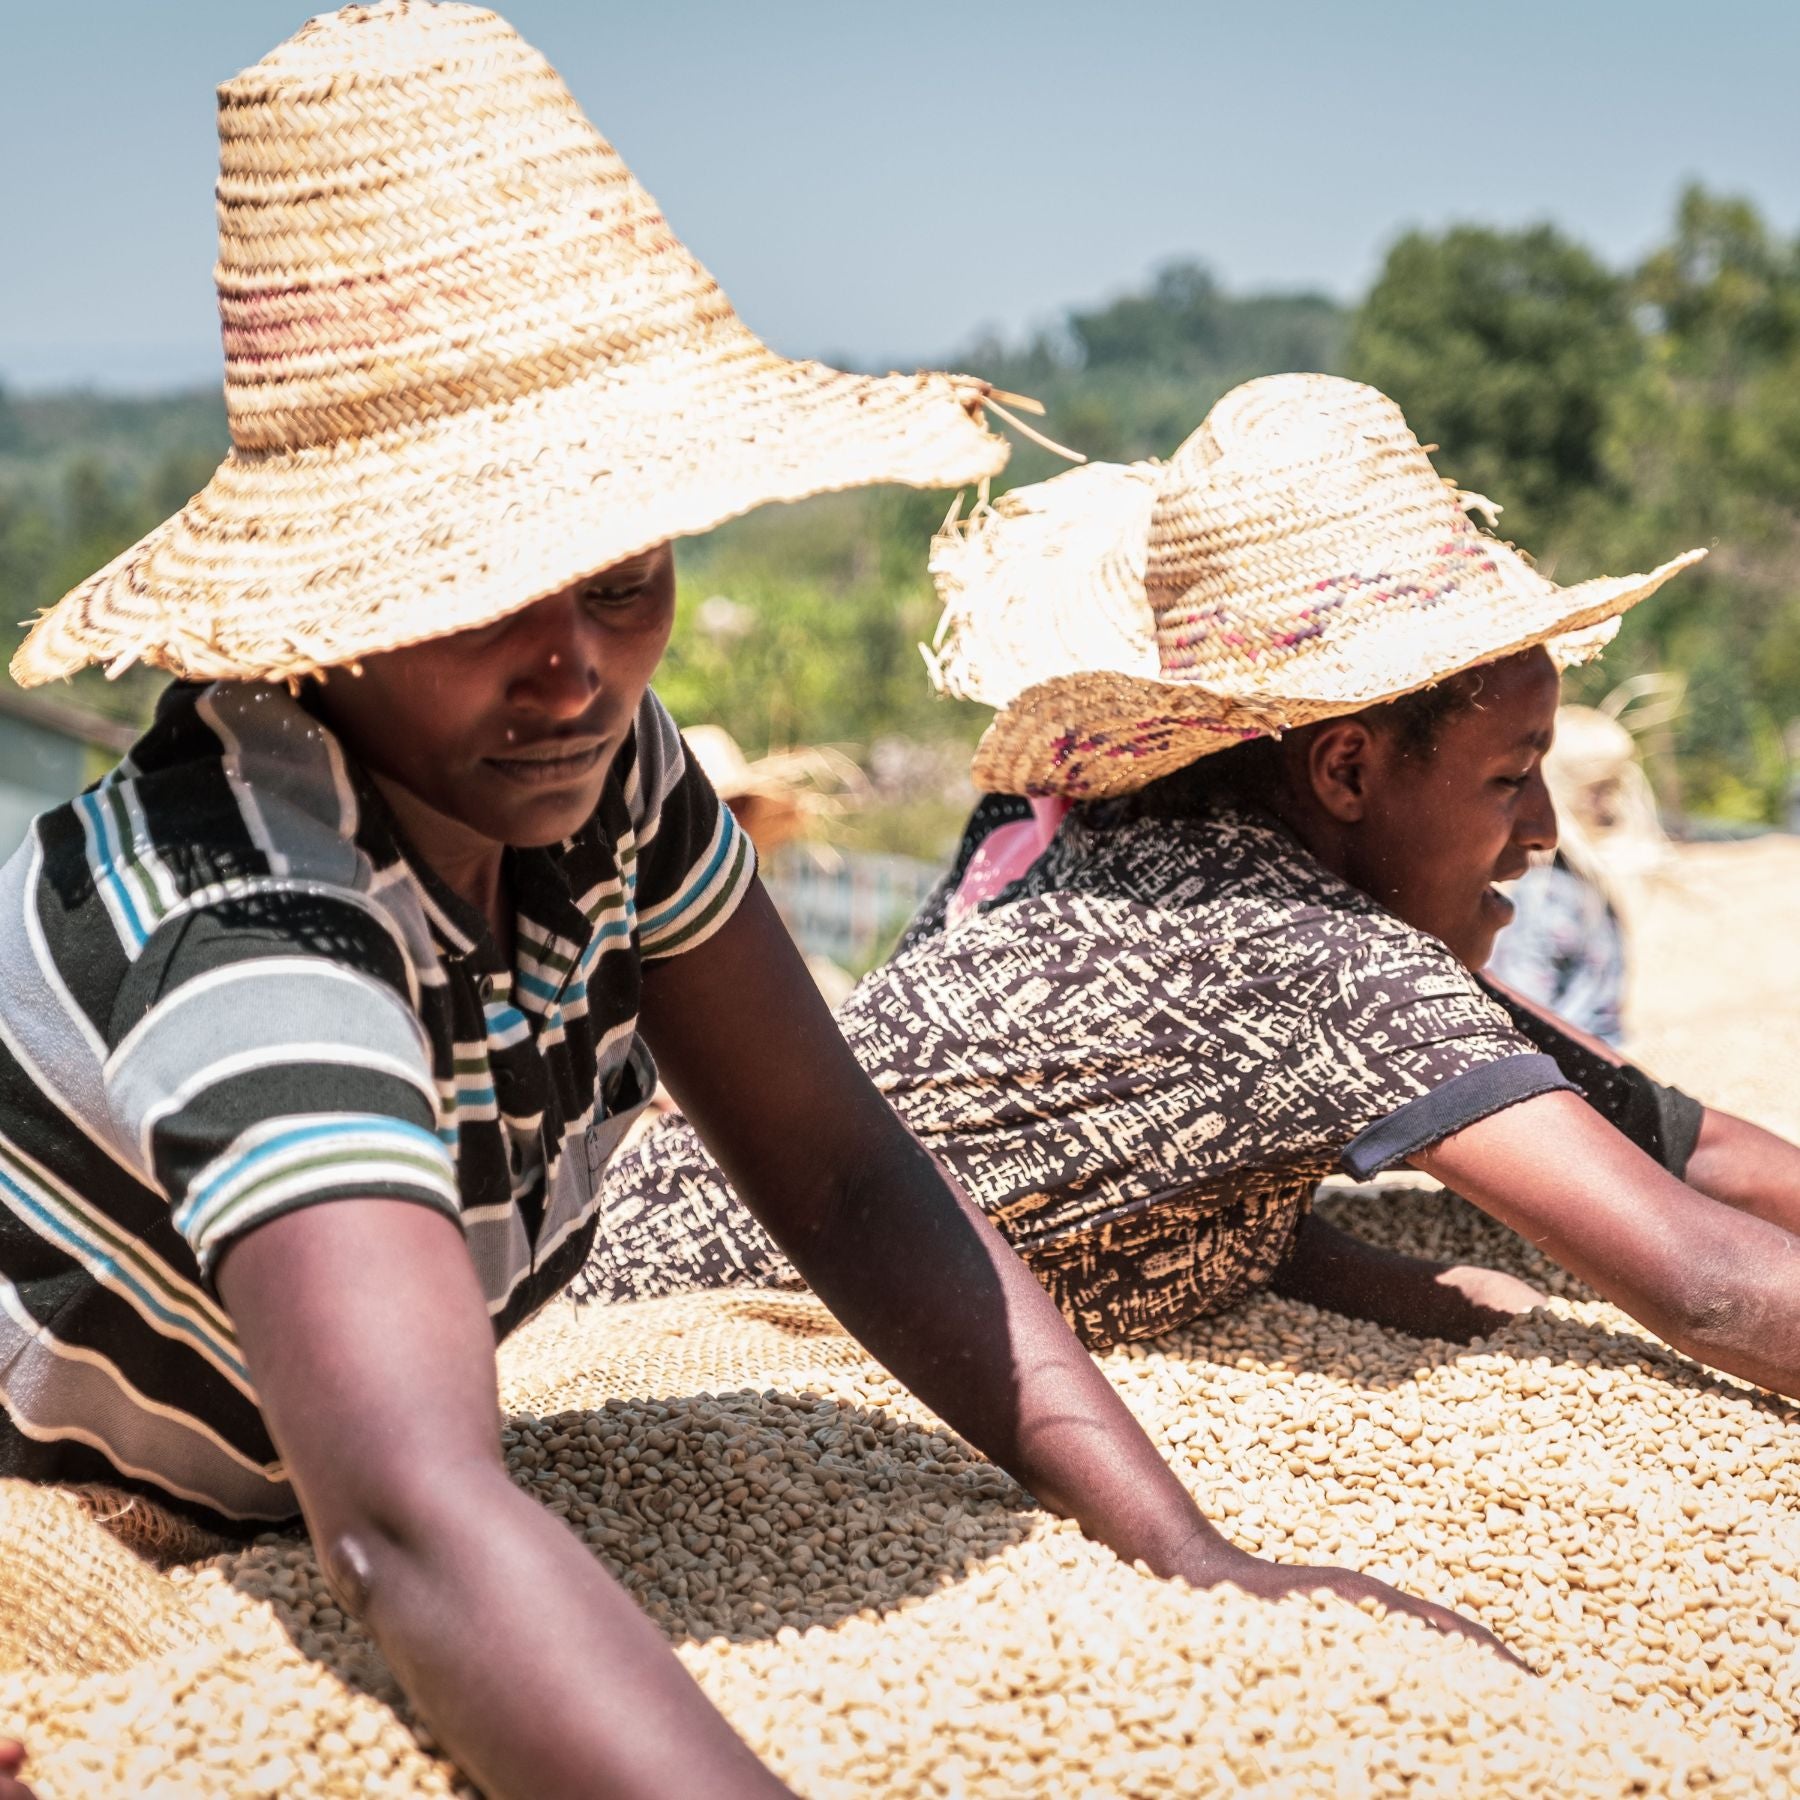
(227, 990)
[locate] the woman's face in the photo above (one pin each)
(1438, 830)
(508, 730)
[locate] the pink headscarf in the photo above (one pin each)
(1005, 854)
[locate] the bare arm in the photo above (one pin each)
(1732, 1160)
(1331, 1268)
(914, 1269)
(368, 1340)
(1719, 1284)
(1747, 1167)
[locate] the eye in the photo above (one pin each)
(611, 596)
(1515, 782)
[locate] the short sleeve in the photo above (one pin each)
(1400, 1049)
(265, 1057)
(694, 861)
(1662, 1121)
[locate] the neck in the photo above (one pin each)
(470, 865)
(1266, 776)
(1316, 831)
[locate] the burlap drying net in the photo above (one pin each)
(749, 1474)
(466, 363)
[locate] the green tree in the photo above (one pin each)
(27, 555)
(1507, 350)
(1707, 447)
(12, 427)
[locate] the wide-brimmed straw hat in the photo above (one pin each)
(1298, 558)
(466, 363)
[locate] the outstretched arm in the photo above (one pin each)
(1719, 1284)
(1747, 1167)
(1730, 1160)
(910, 1266)
(368, 1340)
(1332, 1268)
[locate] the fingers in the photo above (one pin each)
(1493, 1289)
(12, 1760)
(1271, 1581)
(1453, 1624)
(1348, 1585)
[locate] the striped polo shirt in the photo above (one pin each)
(227, 990)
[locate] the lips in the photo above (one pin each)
(556, 763)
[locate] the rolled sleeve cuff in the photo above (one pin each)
(712, 892)
(294, 1163)
(1446, 1110)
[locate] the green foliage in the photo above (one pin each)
(82, 477)
(1133, 377)
(1622, 418)
(1619, 416)
(1506, 349)
(802, 624)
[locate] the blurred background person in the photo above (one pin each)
(1566, 948)
(782, 800)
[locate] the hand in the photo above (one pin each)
(1491, 1290)
(1329, 1267)
(1216, 1562)
(12, 1760)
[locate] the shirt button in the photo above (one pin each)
(485, 988)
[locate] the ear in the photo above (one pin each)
(1339, 755)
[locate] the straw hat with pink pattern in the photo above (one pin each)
(1297, 558)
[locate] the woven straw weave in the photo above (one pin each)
(1298, 558)
(466, 363)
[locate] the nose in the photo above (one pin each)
(1535, 824)
(554, 669)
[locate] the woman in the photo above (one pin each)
(1294, 708)
(320, 1016)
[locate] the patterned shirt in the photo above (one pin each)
(1140, 1059)
(227, 991)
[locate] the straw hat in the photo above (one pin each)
(779, 797)
(1296, 559)
(1607, 826)
(466, 363)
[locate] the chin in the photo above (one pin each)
(538, 823)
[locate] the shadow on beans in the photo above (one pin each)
(728, 1515)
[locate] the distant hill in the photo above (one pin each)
(1133, 377)
(1619, 414)
(126, 436)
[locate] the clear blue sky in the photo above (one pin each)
(886, 180)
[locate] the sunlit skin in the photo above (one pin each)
(503, 735)
(1429, 835)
